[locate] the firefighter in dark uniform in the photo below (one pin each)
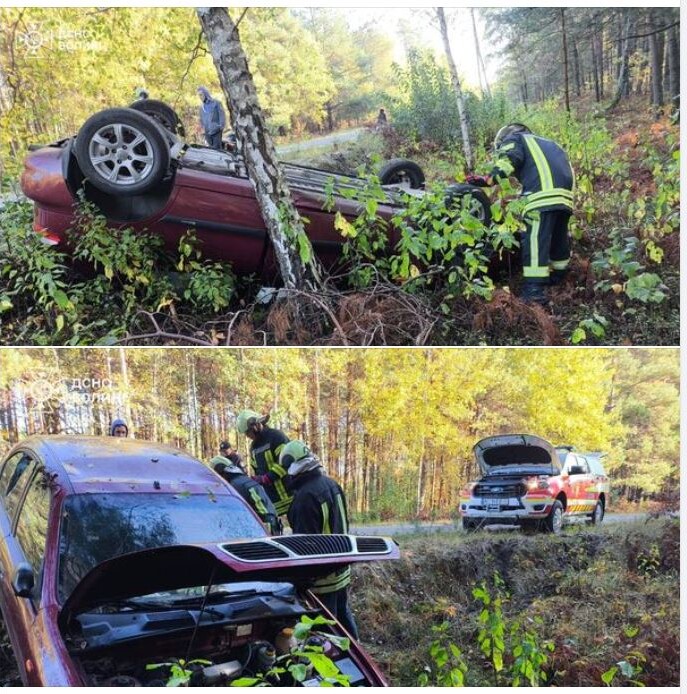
(266, 445)
(319, 508)
(547, 180)
(250, 490)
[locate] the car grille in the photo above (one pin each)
(254, 551)
(371, 544)
(507, 490)
(316, 544)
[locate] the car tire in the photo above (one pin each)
(478, 201)
(553, 523)
(599, 513)
(104, 152)
(402, 171)
(164, 114)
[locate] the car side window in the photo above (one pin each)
(582, 462)
(13, 480)
(32, 525)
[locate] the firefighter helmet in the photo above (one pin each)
(292, 452)
(507, 131)
(247, 419)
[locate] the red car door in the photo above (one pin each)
(13, 481)
(27, 545)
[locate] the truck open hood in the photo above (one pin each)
(516, 453)
(297, 559)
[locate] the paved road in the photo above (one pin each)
(448, 526)
(333, 138)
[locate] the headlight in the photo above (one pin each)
(537, 483)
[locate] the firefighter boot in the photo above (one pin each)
(533, 292)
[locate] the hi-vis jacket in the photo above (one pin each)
(319, 508)
(264, 460)
(542, 168)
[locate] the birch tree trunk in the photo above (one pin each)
(462, 112)
(481, 69)
(292, 249)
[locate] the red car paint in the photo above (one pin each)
(222, 208)
(72, 467)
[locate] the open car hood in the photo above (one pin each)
(516, 453)
(297, 559)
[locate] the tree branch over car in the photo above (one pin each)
(292, 249)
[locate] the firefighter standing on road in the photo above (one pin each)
(266, 445)
(250, 490)
(547, 180)
(319, 508)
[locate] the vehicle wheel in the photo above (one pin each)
(402, 171)
(598, 514)
(164, 114)
(553, 523)
(122, 152)
(475, 198)
(469, 525)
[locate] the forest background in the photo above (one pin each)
(394, 426)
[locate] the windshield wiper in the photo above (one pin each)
(230, 596)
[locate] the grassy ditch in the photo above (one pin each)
(604, 596)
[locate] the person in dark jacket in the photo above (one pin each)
(544, 171)
(250, 490)
(226, 451)
(119, 428)
(266, 445)
(319, 508)
(212, 118)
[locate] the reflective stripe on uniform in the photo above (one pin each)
(556, 196)
(326, 528)
(332, 582)
(543, 168)
(560, 264)
(258, 503)
(534, 269)
(342, 512)
(505, 148)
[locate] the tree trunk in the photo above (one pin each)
(481, 70)
(462, 111)
(565, 62)
(595, 71)
(623, 80)
(576, 67)
(656, 48)
(674, 67)
(292, 249)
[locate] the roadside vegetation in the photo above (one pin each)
(591, 607)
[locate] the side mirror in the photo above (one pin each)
(577, 470)
(23, 581)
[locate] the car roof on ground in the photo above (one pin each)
(112, 464)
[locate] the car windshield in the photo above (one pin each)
(97, 527)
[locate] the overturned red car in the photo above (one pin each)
(132, 164)
(120, 555)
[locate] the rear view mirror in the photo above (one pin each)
(23, 581)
